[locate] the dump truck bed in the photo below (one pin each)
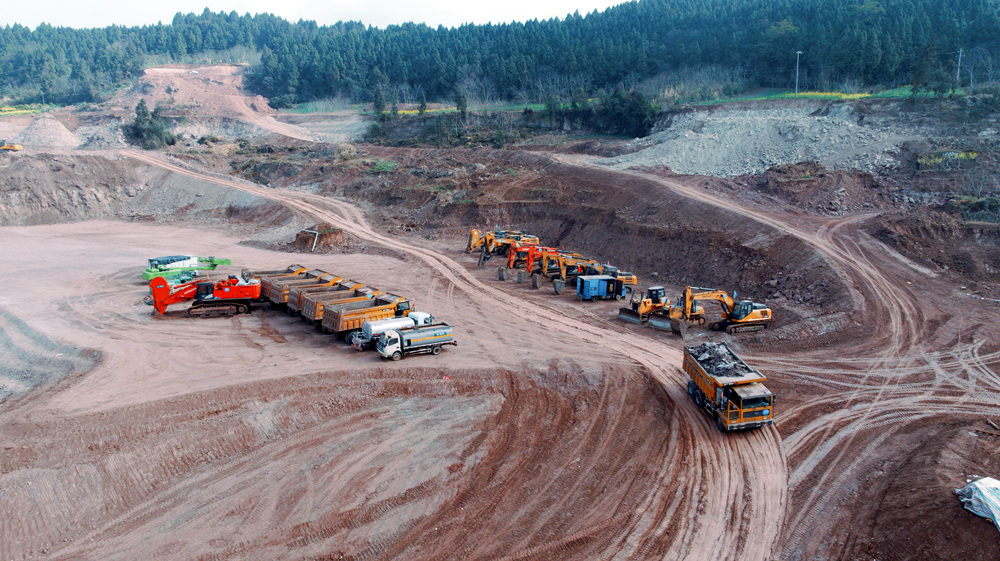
(314, 304)
(275, 289)
(298, 294)
(264, 273)
(341, 317)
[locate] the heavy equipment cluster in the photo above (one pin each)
(529, 261)
(363, 316)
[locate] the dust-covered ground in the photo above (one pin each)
(552, 431)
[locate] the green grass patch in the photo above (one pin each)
(895, 93)
(28, 109)
(383, 166)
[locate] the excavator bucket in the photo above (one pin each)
(678, 327)
(629, 315)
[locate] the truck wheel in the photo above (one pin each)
(719, 423)
(436, 350)
(351, 335)
(699, 398)
(692, 387)
(397, 355)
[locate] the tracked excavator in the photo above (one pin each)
(226, 297)
(523, 258)
(497, 242)
(738, 316)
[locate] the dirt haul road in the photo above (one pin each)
(683, 517)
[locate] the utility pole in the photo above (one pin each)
(797, 53)
(958, 75)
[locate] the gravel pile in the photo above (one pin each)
(106, 136)
(47, 132)
(731, 142)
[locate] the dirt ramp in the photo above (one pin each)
(29, 358)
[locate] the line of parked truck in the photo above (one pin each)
(363, 316)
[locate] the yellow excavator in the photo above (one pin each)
(498, 240)
(8, 147)
(738, 316)
(562, 267)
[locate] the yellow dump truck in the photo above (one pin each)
(297, 294)
(314, 305)
(347, 317)
(275, 289)
(727, 388)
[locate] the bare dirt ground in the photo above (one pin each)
(552, 431)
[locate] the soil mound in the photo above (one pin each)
(47, 132)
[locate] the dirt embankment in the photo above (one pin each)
(49, 188)
(634, 223)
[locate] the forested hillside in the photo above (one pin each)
(740, 43)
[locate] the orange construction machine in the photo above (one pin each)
(211, 299)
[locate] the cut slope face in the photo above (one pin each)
(209, 92)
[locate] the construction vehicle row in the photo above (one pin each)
(727, 388)
(738, 316)
(357, 313)
(528, 259)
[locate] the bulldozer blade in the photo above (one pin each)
(629, 315)
(660, 321)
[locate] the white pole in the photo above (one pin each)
(797, 53)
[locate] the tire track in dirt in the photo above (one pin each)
(704, 529)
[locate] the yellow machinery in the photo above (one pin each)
(651, 300)
(727, 388)
(11, 147)
(565, 266)
(496, 242)
(739, 316)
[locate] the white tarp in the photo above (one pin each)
(983, 498)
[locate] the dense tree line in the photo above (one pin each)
(862, 42)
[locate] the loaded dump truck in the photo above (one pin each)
(397, 343)
(275, 289)
(727, 388)
(344, 318)
(371, 330)
(297, 294)
(315, 304)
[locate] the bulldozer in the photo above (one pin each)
(642, 305)
(738, 316)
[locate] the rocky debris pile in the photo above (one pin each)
(719, 360)
(107, 136)
(727, 142)
(46, 132)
